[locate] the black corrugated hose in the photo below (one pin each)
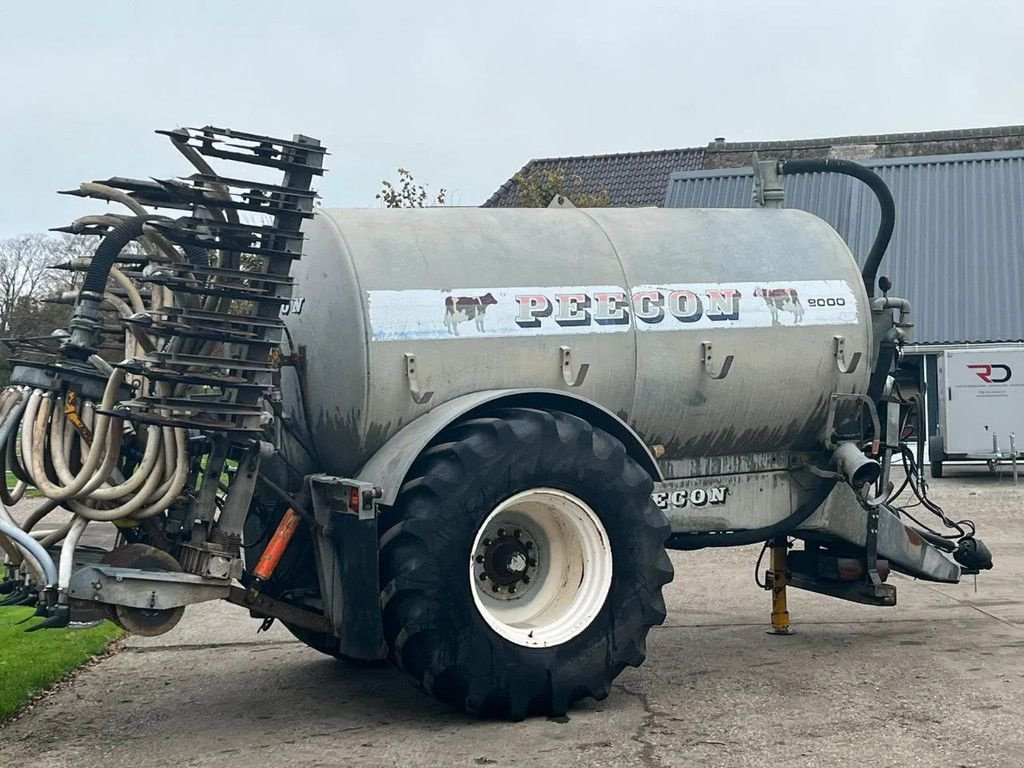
(115, 241)
(885, 203)
(106, 253)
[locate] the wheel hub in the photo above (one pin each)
(540, 567)
(506, 560)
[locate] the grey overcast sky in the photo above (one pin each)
(464, 93)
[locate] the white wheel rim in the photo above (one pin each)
(567, 576)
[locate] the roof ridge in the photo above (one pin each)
(638, 153)
(874, 138)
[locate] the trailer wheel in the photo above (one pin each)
(936, 469)
(522, 565)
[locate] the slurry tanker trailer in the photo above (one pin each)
(461, 439)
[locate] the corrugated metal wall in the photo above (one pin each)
(958, 249)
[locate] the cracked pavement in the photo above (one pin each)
(936, 681)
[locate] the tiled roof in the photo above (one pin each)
(641, 178)
(630, 179)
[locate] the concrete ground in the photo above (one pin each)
(936, 681)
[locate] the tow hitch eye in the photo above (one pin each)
(972, 555)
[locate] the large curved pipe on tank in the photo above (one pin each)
(388, 467)
(886, 205)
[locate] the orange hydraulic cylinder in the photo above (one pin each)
(275, 549)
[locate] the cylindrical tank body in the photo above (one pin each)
(486, 299)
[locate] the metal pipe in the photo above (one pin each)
(856, 468)
(1013, 456)
(893, 302)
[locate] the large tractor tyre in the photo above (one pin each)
(523, 565)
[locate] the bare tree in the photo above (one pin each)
(66, 248)
(23, 273)
(26, 282)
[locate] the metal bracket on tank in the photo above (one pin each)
(418, 396)
(840, 355)
(566, 365)
(768, 191)
(709, 366)
(832, 439)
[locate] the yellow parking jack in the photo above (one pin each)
(777, 581)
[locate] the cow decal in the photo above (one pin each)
(459, 309)
(781, 300)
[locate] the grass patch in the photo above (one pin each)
(31, 662)
(30, 492)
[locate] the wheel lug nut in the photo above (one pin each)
(501, 532)
(530, 562)
(479, 558)
(496, 588)
(512, 589)
(525, 579)
(483, 577)
(517, 533)
(529, 545)
(486, 542)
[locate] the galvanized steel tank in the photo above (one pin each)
(485, 299)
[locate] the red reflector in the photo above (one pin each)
(849, 569)
(353, 499)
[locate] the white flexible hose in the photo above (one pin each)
(67, 553)
(119, 277)
(79, 468)
(97, 451)
(47, 442)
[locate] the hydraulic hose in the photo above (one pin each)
(885, 203)
(755, 535)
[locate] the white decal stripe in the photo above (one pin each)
(553, 310)
(488, 312)
(673, 307)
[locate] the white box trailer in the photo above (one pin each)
(980, 406)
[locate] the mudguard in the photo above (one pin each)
(388, 467)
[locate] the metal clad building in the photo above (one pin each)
(958, 249)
